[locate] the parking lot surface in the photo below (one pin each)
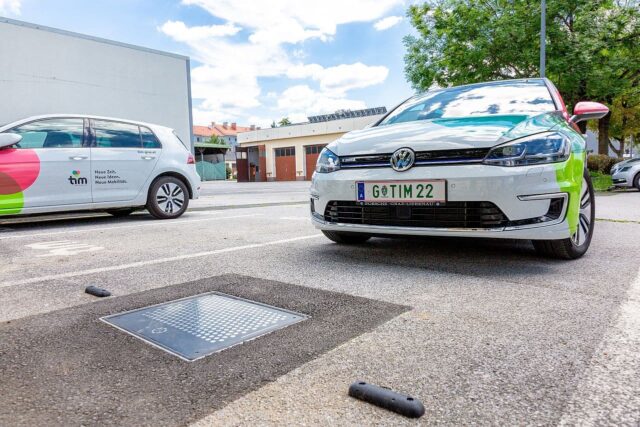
(481, 331)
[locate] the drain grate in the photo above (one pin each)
(194, 327)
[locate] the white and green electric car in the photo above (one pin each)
(501, 159)
(58, 163)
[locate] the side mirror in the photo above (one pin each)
(588, 111)
(9, 139)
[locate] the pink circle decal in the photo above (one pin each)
(8, 185)
(22, 167)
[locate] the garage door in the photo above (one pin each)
(311, 153)
(286, 164)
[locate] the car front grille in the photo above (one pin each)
(423, 158)
(449, 215)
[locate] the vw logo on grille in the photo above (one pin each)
(403, 159)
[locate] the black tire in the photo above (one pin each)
(577, 245)
(168, 198)
(636, 181)
(121, 213)
(346, 238)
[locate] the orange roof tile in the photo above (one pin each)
(219, 129)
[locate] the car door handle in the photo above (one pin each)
(78, 157)
(148, 157)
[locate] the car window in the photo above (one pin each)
(508, 97)
(50, 133)
(149, 140)
(116, 135)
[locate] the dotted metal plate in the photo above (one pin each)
(194, 327)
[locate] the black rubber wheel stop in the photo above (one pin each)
(387, 399)
(98, 292)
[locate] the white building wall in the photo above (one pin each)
(49, 71)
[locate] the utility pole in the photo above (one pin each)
(543, 36)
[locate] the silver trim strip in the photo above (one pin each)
(565, 196)
(401, 229)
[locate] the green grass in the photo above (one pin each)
(601, 181)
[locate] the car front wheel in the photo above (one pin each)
(577, 245)
(168, 198)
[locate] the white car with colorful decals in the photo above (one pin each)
(58, 163)
(500, 159)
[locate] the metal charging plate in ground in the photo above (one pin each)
(194, 327)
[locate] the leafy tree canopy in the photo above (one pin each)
(284, 121)
(593, 47)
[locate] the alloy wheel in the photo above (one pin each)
(584, 216)
(170, 198)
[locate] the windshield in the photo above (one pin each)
(508, 97)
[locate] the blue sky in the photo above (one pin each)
(255, 61)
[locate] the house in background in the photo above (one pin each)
(290, 153)
(227, 135)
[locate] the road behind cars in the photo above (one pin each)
(494, 333)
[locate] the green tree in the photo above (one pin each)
(593, 46)
(625, 120)
(284, 121)
(215, 139)
(273, 124)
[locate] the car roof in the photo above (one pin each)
(540, 80)
(83, 116)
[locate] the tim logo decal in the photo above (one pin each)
(76, 179)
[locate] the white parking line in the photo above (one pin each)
(63, 248)
(609, 392)
(151, 262)
(116, 227)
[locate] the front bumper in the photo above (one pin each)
(623, 179)
(521, 193)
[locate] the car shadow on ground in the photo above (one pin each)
(76, 219)
(471, 256)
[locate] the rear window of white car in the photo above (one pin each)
(110, 134)
(509, 97)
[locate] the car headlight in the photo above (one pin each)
(547, 147)
(328, 161)
(623, 169)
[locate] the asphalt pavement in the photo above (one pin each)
(493, 334)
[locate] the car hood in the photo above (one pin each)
(443, 134)
(627, 162)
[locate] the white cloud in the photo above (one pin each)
(386, 23)
(299, 54)
(305, 71)
(292, 21)
(227, 83)
(340, 78)
(10, 7)
(263, 122)
(301, 101)
(352, 76)
(180, 32)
